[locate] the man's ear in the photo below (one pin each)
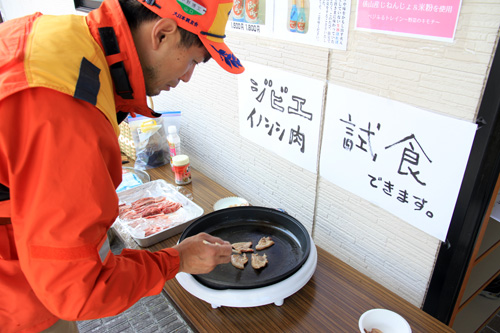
(164, 30)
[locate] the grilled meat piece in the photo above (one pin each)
(259, 261)
(243, 246)
(239, 261)
(264, 243)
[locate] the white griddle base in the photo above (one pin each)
(246, 298)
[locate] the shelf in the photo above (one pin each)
(485, 270)
(486, 266)
(491, 237)
(475, 314)
(473, 310)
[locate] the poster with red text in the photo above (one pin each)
(432, 19)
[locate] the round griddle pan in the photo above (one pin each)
(243, 224)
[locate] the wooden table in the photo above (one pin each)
(332, 301)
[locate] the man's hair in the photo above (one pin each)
(136, 14)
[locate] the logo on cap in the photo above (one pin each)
(191, 7)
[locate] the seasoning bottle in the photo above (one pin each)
(301, 19)
(239, 10)
(182, 170)
(252, 11)
(293, 17)
(174, 143)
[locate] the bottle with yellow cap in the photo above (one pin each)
(181, 169)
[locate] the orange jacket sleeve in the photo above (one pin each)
(61, 160)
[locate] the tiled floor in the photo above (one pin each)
(151, 314)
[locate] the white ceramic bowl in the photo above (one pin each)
(385, 320)
(230, 202)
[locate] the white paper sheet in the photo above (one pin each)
(281, 112)
(404, 159)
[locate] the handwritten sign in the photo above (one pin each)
(406, 160)
(432, 19)
(281, 112)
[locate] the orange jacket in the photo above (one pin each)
(60, 160)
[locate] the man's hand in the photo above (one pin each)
(200, 254)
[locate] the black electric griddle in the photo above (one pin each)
(242, 224)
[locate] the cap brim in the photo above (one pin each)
(223, 55)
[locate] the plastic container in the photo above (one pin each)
(174, 143)
(157, 188)
(181, 169)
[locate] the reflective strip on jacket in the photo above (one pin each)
(60, 159)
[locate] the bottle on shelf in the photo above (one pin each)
(301, 18)
(252, 11)
(174, 143)
(293, 17)
(239, 10)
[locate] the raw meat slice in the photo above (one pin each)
(243, 246)
(239, 261)
(150, 215)
(259, 261)
(264, 243)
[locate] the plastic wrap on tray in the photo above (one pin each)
(157, 227)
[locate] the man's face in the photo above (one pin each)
(176, 64)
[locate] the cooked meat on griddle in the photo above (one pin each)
(264, 243)
(259, 261)
(243, 246)
(239, 260)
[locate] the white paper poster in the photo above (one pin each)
(252, 16)
(315, 22)
(326, 22)
(281, 112)
(433, 19)
(404, 159)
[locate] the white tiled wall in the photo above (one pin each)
(446, 78)
(17, 8)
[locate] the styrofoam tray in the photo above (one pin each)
(156, 188)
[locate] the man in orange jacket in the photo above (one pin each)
(65, 83)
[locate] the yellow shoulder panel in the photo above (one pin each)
(54, 53)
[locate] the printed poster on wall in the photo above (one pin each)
(281, 112)
(403, 159)
(315, 22)
(252, 16)
(432, 19)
